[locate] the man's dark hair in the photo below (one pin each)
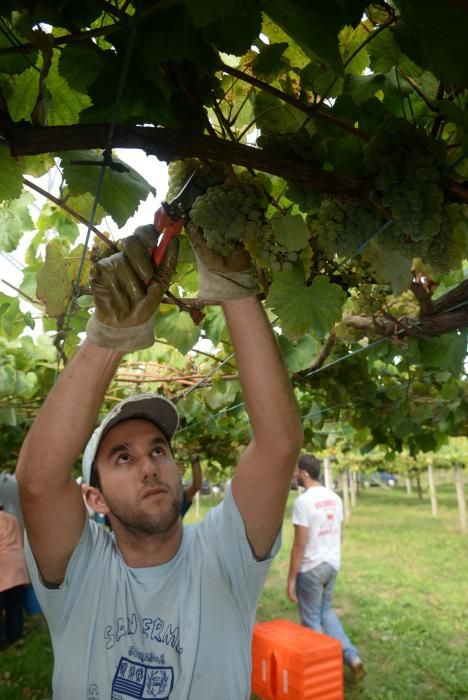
(311, 465)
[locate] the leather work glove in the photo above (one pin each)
(221, 278)
(127, 290)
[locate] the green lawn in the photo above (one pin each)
(401, 595)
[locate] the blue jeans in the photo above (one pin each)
(314, 590)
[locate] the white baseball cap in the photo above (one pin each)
(157, 409)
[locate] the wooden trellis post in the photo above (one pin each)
(432, 487)
(461, 498)
(346, 499)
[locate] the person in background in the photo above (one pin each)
(195, 485)
(315, 558)
(13, 579)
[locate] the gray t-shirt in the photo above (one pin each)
(181, 630)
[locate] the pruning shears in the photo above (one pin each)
(169, 221)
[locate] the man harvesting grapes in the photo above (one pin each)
(155, 609)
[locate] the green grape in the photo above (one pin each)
(206, 175)
(407, 166)
(449, 248)
(307, 200)
(342, 227)
(230, 212)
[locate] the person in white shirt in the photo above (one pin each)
(315, 558)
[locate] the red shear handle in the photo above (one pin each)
(171, 230)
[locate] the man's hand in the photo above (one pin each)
(221, 278)
(291, 590)
(127, 290)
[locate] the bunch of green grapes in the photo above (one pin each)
(275, 256)
(306, 199)
(369, 299)
(100, 249)
(449, 248)
(229, 212)
(342, 227)
(407, 166)
(206, 175)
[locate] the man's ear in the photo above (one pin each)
(95, 500)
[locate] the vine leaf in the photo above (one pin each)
(389, 266)
(290, 231)
(12, 319)
(298, 355)
(434, 35)
(21, 92)
(11, 176)
(447, 352)
(121, 193)
(177, 328)
(301, 308)
(220, 394)
(65, 103)
(14, 221)
(203, 13)
(56, 277)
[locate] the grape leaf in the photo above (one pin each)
(389, 266)
(447, 352)
(269, 61)
(51, 217)
(236, 35)
(121, 193)
(298, 355)
(434, 36)
(65, 104)
(202, 13)
(274, 116)
(220, 394)
(14, 63)
(79, 65)
(176, 327)
(290, 231)
(351, 39)
(12, 319)
(21, 92)
(214, 324)
(7, 380)
(14, 221)
(301, 308)
(59, 272)
(11, 176)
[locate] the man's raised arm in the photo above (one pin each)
(262, 478)
(52, 504)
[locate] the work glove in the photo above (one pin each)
(127, 291)
(221, 278)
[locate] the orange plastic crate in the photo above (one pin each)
(292, 662)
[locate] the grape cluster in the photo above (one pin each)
(406, 164)
(230, 212)
(447, 250)
(307, 200)
(206, 175)
(342, 227)
(277, 257)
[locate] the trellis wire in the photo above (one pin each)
(102, 171)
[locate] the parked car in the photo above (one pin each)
(380, 478)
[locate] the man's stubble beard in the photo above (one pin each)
(138, 522)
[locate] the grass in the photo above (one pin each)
(401, 595)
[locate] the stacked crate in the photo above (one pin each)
(292, 662)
